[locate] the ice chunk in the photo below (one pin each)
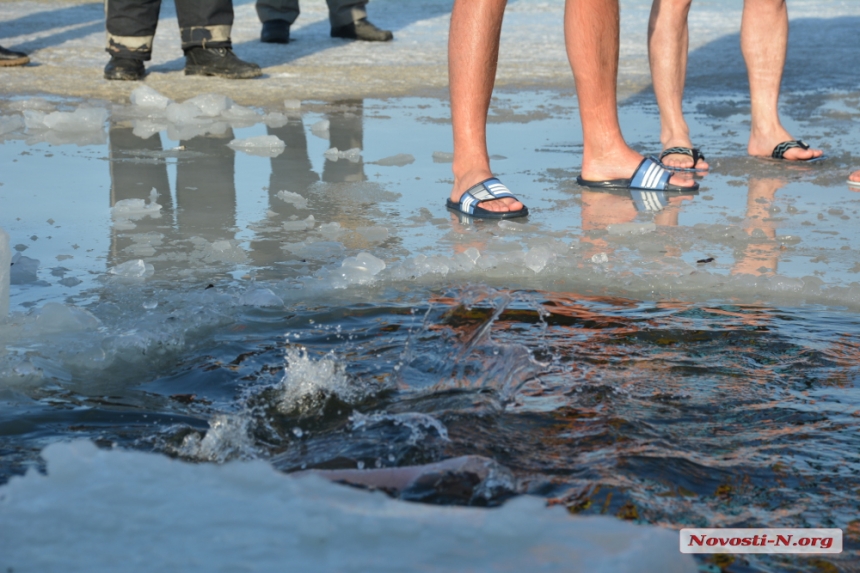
(260, 297)
(275, 119)
(183, 113)
(373, 234)
(38, 103)
(330, 230)
(294, 199)
(292, 104)
(23, 270)
(240, 113)
(82, 119)
(133, 269)
(211, 105)
(320, 128)
(137, 208)
(538, 257)
(631, 228)
(192, 513)
(5, 272)
(360, 269)
(302, 225)
(600, 258)
(398, 160)
(146, 97)
(10, 123)
(443, 157)
(56, 317)
(262, 145)
(353, 154)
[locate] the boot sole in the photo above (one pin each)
(201, 71)
(16, 62)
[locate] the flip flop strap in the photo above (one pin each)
(779, 150)
(693, 152)
(486, 190)
(650, 175)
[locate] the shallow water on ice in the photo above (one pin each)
(176, 293)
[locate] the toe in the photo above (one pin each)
(800, 154)
(855, 177)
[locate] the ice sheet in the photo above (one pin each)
(97, 508)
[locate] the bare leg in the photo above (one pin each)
(764, 39)
(591, 30)
(473, 52)
(855, 177)
(668, 42)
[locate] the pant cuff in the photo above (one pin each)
(206, 37)
(132, 47)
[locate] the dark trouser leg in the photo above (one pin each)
(130, 27)
(205, 23)
(343, 12)
(134, 179)
(205, 189)
(268, 10)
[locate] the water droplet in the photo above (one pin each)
(297, 432)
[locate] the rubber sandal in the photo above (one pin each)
(486, 190)
(853, 183)
(779, 151)
(650, 176)
(693, 152)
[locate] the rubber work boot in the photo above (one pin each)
(10, 58)
(362, 30)
(221, 62)
(124, 69)
(275, 32)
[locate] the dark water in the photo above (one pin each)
(668, 413)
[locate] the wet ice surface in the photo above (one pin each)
(174, 293)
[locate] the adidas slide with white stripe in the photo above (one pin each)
(486, 190)
(650, 176)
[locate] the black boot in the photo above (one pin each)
(221, 62)
(124, 69)
(275, 32)
(362, 30)
(10, 58)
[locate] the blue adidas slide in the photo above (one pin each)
(650, 176)
(486, 190)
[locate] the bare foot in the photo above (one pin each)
(621, 164)
(471, 178)
(854, 177)
(763, 141)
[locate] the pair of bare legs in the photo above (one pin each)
(591, 38)
(764, 40)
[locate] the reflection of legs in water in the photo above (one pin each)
(346, 131)
(760, 258)
(133, 177)
(205, 189)
(600, 210)
(291, 171)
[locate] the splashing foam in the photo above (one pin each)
(416, 422)
(307, 384)
(228, 438)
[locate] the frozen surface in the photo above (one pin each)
(67, 47)
(5, 269)
(98, 508)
